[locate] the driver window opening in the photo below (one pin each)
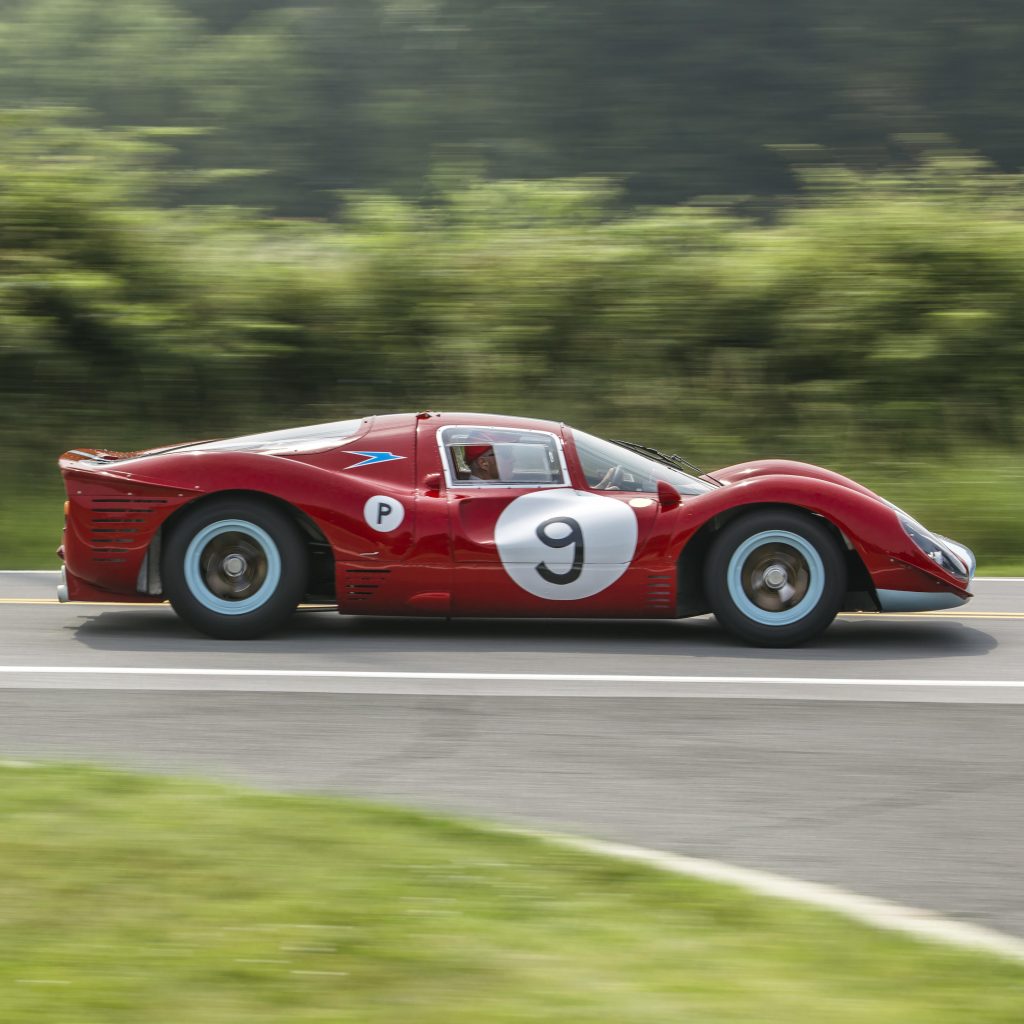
(504, 457)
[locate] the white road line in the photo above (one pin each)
(525, 677)
(921, 924)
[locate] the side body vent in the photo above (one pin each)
(361, 585)
(661, 592)
(117, 525)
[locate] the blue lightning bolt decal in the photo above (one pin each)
(373, 458)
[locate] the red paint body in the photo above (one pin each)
(443, 559)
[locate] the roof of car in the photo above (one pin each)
(485, 419)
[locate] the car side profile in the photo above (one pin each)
(470, 514)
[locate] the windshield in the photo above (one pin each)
(609, 467)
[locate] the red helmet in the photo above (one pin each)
(474, 451)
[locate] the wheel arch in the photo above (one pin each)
(321, 582)
(691, 599)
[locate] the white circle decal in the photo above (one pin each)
(383, 513)
(566, 545)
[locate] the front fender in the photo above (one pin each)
(871, 527)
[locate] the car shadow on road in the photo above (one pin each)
(324, 636)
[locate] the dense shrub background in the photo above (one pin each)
(879, 310)
(871, 323)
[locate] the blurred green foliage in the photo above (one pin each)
(678, 98)
(874, 311)
(223, 215)
(873, 323)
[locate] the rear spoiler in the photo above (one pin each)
(91, 458)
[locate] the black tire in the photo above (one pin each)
(775, 577)
(235, 568)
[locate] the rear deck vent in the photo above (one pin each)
(114, 524)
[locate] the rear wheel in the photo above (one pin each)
(775, 577)
(235, 568)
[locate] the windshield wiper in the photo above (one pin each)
(673, 461)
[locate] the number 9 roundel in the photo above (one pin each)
(565, 545)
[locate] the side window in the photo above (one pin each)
(482, 456)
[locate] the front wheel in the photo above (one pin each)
(235, 568)
(775, 578)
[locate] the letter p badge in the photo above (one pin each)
(383, 513)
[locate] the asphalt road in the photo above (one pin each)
(886, 758)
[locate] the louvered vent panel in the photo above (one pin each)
(361, 585)
(660, 592)
(114, 524)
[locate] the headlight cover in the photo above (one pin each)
(936, 548)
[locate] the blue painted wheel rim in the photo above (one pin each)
(755, 568)
(232, 567)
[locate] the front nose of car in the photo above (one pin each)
(965, 554)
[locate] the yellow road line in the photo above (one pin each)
(842, 615)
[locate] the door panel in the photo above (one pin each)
(552, 551)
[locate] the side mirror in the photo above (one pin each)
(668, 496)
(432, 483)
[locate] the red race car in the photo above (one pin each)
(463, 514)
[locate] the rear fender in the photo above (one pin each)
(328, 499)
(321, 582)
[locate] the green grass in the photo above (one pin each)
(126, 898)
(1001, 567)
(31, 517)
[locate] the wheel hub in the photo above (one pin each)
(775, 577)
(234, 565)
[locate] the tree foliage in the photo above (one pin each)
(673, 98)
